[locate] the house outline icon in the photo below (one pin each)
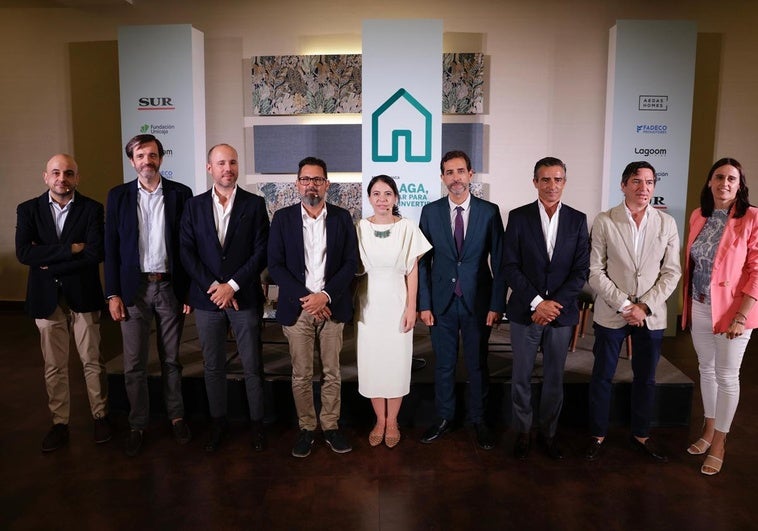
(404, 133)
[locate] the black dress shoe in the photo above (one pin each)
(649, 448)
(594, 449)
(550, 446)
(182, 433)
(102, 430)
(259, 437)
(56, 438)
(134, 442)
(436, 431)
(484, 437)
(219, 429)
(522, 446)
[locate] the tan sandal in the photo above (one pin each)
(392, 437)
(711, 466)
(699, 447)
(375, 438)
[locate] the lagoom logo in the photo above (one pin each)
(162, 103)
(652, 129)
(653, 103)
(658, 152)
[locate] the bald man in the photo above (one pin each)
(59, 235)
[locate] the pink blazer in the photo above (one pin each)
(735, 270)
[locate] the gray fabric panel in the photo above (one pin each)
(465, 137)
(278, 148)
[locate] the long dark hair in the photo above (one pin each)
(389, 181)
(741, 202)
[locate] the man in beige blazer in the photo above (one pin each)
(634, 268)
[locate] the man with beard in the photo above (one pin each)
(59, 235)
(223, 242)
(144, 279)
(314, 272)
(461, 292)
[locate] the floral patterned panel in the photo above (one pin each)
(327, 84)
(346, 195)
(462, 83)
(306, 84)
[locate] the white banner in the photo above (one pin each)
(651, 72)
(162, 81)
(402, 109)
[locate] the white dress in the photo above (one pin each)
(384, 351)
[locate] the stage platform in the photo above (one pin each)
(674, 390)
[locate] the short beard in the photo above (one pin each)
(312, 200)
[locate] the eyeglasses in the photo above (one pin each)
(318, 181)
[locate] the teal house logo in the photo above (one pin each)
(415, 119)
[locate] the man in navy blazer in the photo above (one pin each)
(59, 235)
(461, 291)
(313, 257)
(546, 256)
(223, 245)
(144, 279)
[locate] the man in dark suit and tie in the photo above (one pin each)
(144, 279)
(59, 235)
(313, 257)
(546, 263)
(223, 240)
(461, 292)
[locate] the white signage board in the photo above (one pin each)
(651, 72)
(162, 81)
(402, 109)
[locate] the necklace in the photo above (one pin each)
(382, 233)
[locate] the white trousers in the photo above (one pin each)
(719, 361)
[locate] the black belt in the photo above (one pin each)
(156, 277)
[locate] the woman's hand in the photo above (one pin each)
(736, 328)
(409, 320)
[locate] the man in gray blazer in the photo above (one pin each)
(634, 268)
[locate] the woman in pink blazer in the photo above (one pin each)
(720, 290)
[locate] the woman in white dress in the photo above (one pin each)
(390, 247)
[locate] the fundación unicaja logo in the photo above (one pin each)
(401, 116)
(144, 129)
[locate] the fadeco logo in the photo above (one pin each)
(653, 103)
(652, 129)
(155, 104)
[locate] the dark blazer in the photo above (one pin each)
(38, 245)
(243, 257)
(483, 288)
(122, 263)
(529, 272)
(286, 262)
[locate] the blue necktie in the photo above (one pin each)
(458, 236)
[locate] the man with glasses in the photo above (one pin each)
(312, 257)
(634, 268)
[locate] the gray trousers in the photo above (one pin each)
(525, 340)
(153, 300)
(212, 329)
